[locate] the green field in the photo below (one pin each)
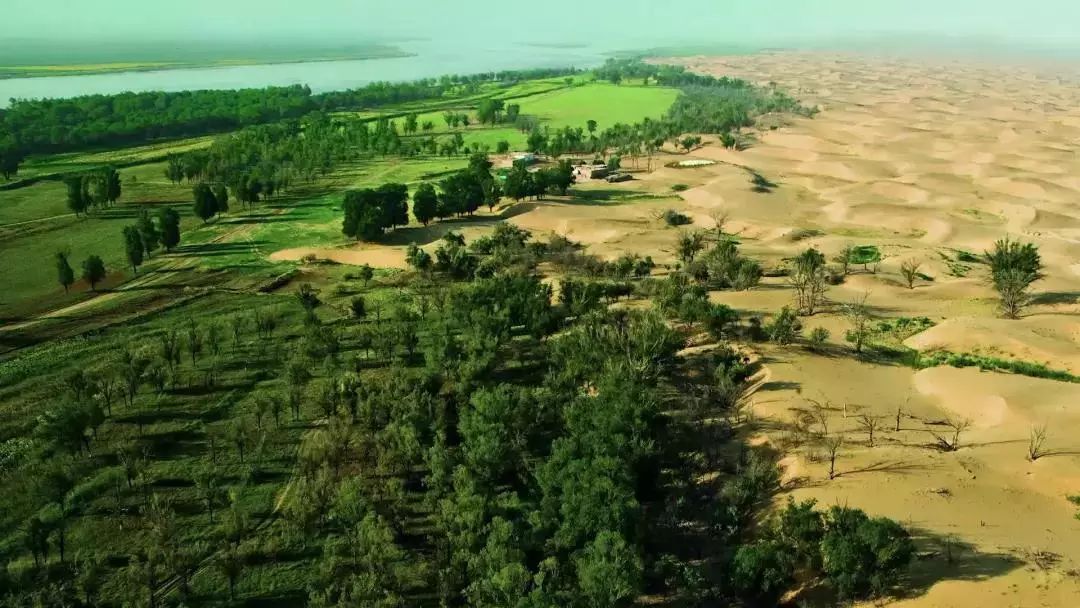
(608, 104)
(35, 223)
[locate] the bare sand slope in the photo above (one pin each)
(925, 161)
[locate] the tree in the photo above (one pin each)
(609, 571)
(221, 196)
(366, 274)
(133, 247)
(148, 232)
(78, 195)
(909, 269)
(861, 555)
(689, 245)
(561, 176)
(591, 125)
(786, 328)
(689, 142)
(93, 270)
(870, 424)
(858, 315)
(1012, 285)
(807, 276)
(113, 187)
(425, 203)
(206, 205)
(169, 221)
(762, 571)
(64, 274)
(502, 147)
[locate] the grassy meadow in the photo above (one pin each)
(35, 222)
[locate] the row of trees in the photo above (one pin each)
(95, 189)
(36, 126)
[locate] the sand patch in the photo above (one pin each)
(383, 257)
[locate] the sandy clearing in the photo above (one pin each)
(378, 257)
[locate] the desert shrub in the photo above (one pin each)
(818, 336)
(785, 328)
(680, 188)
(1023, 368)
(761, 572)
(675, 218)
(863, 556)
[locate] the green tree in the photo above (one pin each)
(1014, 266)
(113, 187)
(148, 232)
(133, 247)
(206, 205)
(93, 270)
(861, 555)
(609, 571)
(78, 196)
(64, 274)
(169, 222)
(221, 196)
(425, 203)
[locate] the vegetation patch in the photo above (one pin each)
(1022, 368)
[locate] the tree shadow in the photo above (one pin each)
(941, 558)
(218, 249)
(1056, 297)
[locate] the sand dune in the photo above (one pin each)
(923, 160)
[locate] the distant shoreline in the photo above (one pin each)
(53, 71)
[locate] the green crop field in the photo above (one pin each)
(573, 106)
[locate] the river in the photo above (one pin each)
(429, 59)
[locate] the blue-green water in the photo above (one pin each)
(429, 60)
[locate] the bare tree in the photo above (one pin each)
(833, 445)
(870, 424)
(820, 414)
(1036, 441)
(858, 315)
(720, 218)
(910, 270)
(843, 259)
(810, 285)
(951, 443)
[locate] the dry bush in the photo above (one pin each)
(870, 424)
(1036, 440)
(832, 446)
(947, 442)
(910, 271)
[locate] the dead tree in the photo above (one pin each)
(1036, 441)
(870, 424)
(833, 445)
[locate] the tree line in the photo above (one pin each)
(45, 126)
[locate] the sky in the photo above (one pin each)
(626, 23)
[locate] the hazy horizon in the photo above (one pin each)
(1038, 24)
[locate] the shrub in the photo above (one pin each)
(680, 188)
(863, 556)
(761, 572)
(785, 328)
(818, 337)
(674, 218)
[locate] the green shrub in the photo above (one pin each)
(818, 337)
(863, 556)
(786, 328)
(680, 188)
(674, 218)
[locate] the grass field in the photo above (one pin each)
(35, 222)
(574, 106)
